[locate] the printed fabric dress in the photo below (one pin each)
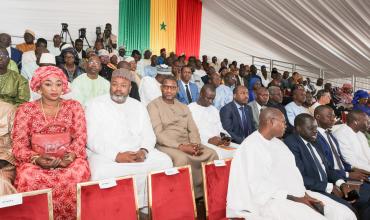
(30, 120)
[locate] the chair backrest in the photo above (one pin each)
(343, 115)
(216, 180)
(33, 205)
(107, 199)
(171, 194)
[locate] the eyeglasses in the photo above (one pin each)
(169, 87)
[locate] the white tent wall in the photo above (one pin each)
(331, 35)
(44, 17)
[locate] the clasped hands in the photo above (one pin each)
(50, 162)
(344, 189)
(308, 200)
(191, 148)
(218, 141)
(131, 156)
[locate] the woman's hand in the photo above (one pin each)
(48, 162)
(67, 159)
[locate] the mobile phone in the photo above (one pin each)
(225, 137)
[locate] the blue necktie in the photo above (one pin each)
(317, 163)
(244, 122)
(333, 149)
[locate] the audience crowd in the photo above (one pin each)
(300, 149)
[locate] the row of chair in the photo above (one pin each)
(171, 196)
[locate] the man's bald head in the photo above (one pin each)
(358, 120)
(123, 65)
(268, 114)
(271, 123)
(207, 88)
(207, 95)
(320, 109)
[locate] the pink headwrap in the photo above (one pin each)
(45, 72)
(347, 86)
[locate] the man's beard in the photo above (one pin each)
(118, 98)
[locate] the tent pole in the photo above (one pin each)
(354, 82)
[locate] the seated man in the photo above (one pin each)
(150, 87)
(317, 175)
(265, 183)
(14, 54)
(262, 97)
(275, 101)
(28, 45)
(352, 141)
(188, 91)
(120, 137)
(236, 117)
(13, 87)
(30, 59)
(323, 98)
(207, 119)
(325, 118)
(90, 85)
(177, 134)
(7, 160)
(296, 107)
(224, 92)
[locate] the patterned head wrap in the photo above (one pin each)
(45, 72)
(359, 94)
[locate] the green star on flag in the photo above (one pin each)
(163, 26)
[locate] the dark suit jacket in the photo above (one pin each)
(134, 93)
(306, 164)
(181, 95)
(16, 57)
(326, 150)
(231, 121)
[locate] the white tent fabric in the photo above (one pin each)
(44, 17)
(333, 34)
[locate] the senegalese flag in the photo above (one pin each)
(155, 24)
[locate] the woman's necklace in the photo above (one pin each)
(43, 111)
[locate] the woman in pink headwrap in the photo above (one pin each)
(49, 138)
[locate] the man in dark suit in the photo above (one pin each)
(325, 118)
(314, 167)
(236, 116)
(275, 100)
(188, 91)
(15, 54)
(262, 97)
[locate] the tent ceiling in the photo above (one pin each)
(332, 35)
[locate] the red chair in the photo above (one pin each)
(115, 202)
(36, 205)
(216, 180)
(171, 196)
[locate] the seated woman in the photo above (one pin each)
(70, 66)
(49, 139)
(360, 101)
